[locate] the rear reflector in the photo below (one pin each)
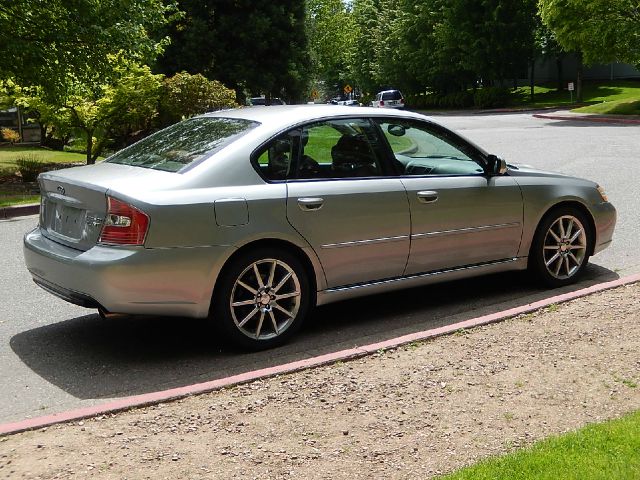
(124, 225)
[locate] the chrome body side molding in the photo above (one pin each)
(467, 230)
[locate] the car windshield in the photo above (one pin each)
(182, 144)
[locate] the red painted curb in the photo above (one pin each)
(19, 211)
(205, 387)
(588, 118)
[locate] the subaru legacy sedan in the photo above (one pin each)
(251, 217)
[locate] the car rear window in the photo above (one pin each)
(392, 95)
(182, 144)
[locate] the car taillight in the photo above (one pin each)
(124, 225)
(382, 103)
(402, 101)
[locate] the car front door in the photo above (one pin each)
(460, 216)
(342, 200)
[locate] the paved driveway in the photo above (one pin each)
(55, 356)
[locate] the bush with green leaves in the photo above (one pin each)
(492, 97)
(185, 95)
(6, 173)
(30, 166)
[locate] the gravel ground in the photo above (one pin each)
(413, 412)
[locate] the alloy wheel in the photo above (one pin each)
(265, 299)
(564, 247)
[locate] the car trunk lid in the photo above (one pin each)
(74, 201)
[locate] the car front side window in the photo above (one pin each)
(420, 150)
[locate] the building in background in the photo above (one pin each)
(13, 119)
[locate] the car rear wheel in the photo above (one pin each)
(262, 299)
(560, 250)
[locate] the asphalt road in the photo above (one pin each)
(55, 356)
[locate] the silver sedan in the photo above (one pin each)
(251, 217)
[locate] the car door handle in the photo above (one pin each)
(310, 203)
(427, 196)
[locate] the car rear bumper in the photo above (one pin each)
(172, 281)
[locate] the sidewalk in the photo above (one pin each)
(590, 117)
(411, 412)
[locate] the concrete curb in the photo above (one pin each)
(589, 118)
(205, 387)
(19, 211)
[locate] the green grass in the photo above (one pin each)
(603, 451)
(623, 91)
(8, 155)
(11, 200)
(615, 107)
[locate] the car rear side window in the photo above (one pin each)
(183, 144)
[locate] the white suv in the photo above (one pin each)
(389, 99)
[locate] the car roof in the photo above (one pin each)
(294, 114)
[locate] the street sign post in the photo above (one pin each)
(571, 87)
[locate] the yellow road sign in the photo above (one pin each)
(348, 89)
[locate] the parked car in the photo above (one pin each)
(257, 101)
(251, 217)
(344, 101)
(388, 99)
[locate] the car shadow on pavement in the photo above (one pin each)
(92, 358)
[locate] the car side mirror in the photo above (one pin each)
(396, 130)
(496, 165)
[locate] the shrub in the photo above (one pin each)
(30, 166)
(186, 95)
(7, 173)
(10, 135)
(492, 97)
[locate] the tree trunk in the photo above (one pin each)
(579, 78)
(43, 134)
(560, 73)
(90, 159)
(532, 80)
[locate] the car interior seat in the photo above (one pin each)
(352, 157)
(278, 166)
(308, 167)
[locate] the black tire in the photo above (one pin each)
(247, 310)
(561, 246)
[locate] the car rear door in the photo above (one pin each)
(342, 200)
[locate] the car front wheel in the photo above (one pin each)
(560, 250)
(262, 299)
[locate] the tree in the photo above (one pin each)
(126, 104)
(548, 48)
(331, 32)
(257, 46)
(598, 30)
(494, 38)
(55, 129)
(44, 43)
